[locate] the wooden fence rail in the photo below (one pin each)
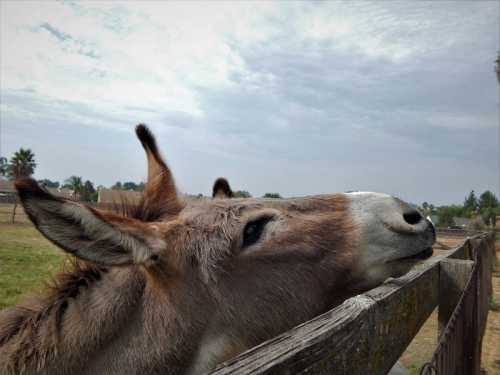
(456, 232)
(368, 333)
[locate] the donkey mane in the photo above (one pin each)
(75, 275)
(140, 211)
(29, 316)
(49, 307)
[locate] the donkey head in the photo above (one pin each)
(247, 269)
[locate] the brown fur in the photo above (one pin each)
(47, 309)
(160, 193)
(185, 277)
(221, 189)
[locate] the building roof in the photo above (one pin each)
(461, 221)
(7, 187)
(64, 193)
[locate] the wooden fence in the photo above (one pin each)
(368, 333)
(456, 232)
(11, 211)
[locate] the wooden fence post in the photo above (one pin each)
(463, 252)
(13, 216)
(453, 277)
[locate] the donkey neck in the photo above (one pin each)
(160, 335)
(59, 332)
(119, 322)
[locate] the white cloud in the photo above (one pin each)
(155, 60)
(158, 54)
(252, 81)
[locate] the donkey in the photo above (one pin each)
(176, 287)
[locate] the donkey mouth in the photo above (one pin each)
(424, 254)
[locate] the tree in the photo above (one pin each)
(75, 183)
(488, 204)
(271, 195)
(487, 200)
(471, 203)
(88, 192)
(241, 194)
(489, 215)
(129, 185)
(445, 216)
(4, 167)
(428, 209)
(48, 183)
(425, 207)
(22, 164)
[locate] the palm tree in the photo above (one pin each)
(22, 164)
(75, 183)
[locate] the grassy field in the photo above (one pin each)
(6, 210)
(27, 260)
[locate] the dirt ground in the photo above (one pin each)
(423, 345)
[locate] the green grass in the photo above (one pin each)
(27, 260)
(494, 305)
(414, 368)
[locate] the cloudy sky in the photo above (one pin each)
(298, 98)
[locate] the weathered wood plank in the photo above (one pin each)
(453, 277)
(402, 306)
(463, 251)
(451, 232)
(313, 338)
(456, 232)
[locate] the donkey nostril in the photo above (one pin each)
(412, 217)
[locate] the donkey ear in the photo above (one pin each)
(160, 194)
(91, 235)
(221, 189)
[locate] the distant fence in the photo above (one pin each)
(368, 333)
(11, 211)
(456, 232)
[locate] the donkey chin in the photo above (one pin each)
(393, 236)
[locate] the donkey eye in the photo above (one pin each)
(253, 230)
